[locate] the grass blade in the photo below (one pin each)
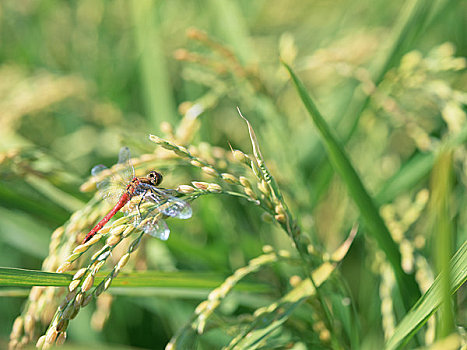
(370, 214)
(430, 301)
(153, 66)
(19, 231)
(232, 26)
(13, 277)
(406, 178)
(411, 20)
(415, 169)
(441, 197)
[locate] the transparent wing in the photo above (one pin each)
(124, 169)
(104, 183)
(112, 182)
(143, 216)
(156, 227)
(168, 204)
(124, 155)
(98, 169)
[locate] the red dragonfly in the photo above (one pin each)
(154, 201)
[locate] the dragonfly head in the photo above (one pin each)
(155, 178)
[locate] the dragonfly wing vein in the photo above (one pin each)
(125, 171)
(156, 227)
(169, 205)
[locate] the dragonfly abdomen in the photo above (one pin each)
(123, 200)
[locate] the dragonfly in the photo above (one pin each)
(153, 202)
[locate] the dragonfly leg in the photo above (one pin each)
(141, 201)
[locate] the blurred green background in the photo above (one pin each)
(80, 79)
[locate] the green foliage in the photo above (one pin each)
(266, 261)
(28, 278)
(431, 300)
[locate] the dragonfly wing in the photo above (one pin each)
(97, 169)
(176, 208)
(146, 213)
(169, 205)
(125, 171)
(108, 186)
(143, 217)
(104, 183)
(156, 227)
(124, 155)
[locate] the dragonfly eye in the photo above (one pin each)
(155, 177)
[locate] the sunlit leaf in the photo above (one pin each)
(430, 301)
(375, 225)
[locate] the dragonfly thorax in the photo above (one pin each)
(141, 185)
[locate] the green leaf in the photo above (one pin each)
(409, 26)
(231, 25)
(370, 214)
(418, 167)
(154, 75)
(430, 301)
(20, 231)
(408, 176)
(13, 277)
(413, 16)
(441, 195)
